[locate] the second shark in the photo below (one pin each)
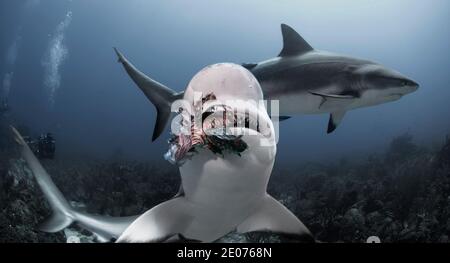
(304, 81)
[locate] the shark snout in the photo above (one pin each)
(415, 84)
(410, 85)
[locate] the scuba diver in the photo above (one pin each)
(43, 147)
(46, 146)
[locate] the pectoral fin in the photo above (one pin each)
(272, 216)
(159, 224)
(284, 118)
(335, 119)
(330, 101)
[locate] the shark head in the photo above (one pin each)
(229, 113)
(377, 84)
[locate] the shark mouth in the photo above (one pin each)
(215, 126)
(395, 95)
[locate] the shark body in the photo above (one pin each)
(220, 194)
(310, 81)
(303, 79)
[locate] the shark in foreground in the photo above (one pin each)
(220, 193)
(303, 79)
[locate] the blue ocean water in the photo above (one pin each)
(59, 72)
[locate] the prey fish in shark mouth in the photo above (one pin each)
(220, 193)
(213, 130)
(184, 145)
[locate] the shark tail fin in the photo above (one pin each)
(63, 215)
(158, 94)
(56, 222)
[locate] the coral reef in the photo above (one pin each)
(402, 195)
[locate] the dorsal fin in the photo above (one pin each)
(293, 43)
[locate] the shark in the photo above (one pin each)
(220, 193)
(303, 79)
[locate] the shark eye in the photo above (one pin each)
(405, 83)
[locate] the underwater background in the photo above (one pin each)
(384, 171)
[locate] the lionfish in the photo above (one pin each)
(209, 134)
